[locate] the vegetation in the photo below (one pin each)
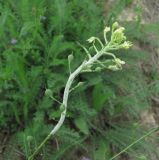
(103, 116)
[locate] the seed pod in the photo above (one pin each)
(62, 107)
(98, 69)
(70, 57)
(48, 92)
(29, 138)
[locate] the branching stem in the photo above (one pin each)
(86, 66)
(70, 80)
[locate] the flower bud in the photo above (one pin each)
(126, 45)
(107, 29)
(91, 39)
(98, 69)
(119, 61)
(118, 35)
(70, 57)
(113, 67)
(115, 25)
(29, 138)
(62, 107)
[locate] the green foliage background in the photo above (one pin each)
(36, 38)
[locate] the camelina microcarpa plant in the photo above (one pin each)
(92, 63)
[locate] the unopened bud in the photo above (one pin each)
(29, 138)
(119, 61)
(91, 39)
(98, 69)
(107, 29)
(70, 57)
(48, 92)
(126, 45)
(113, 67)
(62, 107)
(115, 25)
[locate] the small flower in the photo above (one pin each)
(119, 30)
(126, 45)
(113, 67)
(107, 29)
(13, 41)
(119, 61)
(118, 36)
(91, 39)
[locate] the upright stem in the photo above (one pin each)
(65, 100)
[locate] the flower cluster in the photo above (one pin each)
(117, 66)
(116, 41)
(118, 37)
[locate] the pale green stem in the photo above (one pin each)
(105, 37)
(100, 42)
(39, 147)
(55, 99)
(65, 97)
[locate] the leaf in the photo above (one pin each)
(142, 157)
(26, 28)
(54, 114)
(103, 151)
(82, 125)
(101, 94)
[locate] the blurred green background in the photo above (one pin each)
(111, 109)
